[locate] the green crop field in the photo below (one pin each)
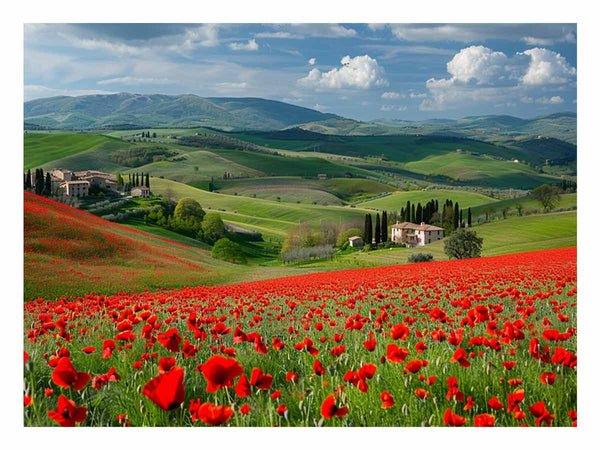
(40, 149)
(196, 165)
(397, 200)
(258, 214)
(481, 170)
(528, 202)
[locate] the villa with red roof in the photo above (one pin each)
(414, 235)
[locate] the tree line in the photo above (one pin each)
(41, 185)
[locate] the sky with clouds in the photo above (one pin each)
(360, 71)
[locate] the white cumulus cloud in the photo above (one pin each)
(555, 100)
(392, 95)
(312, 61)
(477, 63)
(362, 72)
(547, 67)
(251, 45)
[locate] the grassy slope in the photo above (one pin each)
(263, 215)
(513, 235)
(566, 201)
(397, 200)
(40, 149)
(98, 158)
(481, 169)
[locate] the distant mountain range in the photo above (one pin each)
(141, 111)
(134, 111)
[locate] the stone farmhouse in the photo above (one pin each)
(77, 184)
(140, 191)
(414, 235)
(355, 241)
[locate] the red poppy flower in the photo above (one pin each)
(189, 350)
(318, 367)
(470, 403)
(430, 381)
(460, 356)
(413, 366)
(26, 400)
(291, 376)
(337, 350)
(166, 390)
(275, 395)
(387, 399)
(165, 364)
(242, 389)
(281, 409)
(209, 413)
(539, 410)
(259, 380)
(107, 348)
(123, 420)
(484, 420)
(48, 392)
(25, 356)
(170, 340)
(421, 393)
(495, 404)
(509, 364)
(548, 377)
(370, 344)
(453, 419)
(101, 380)
(245, 409)
(67, 414)
(400, 331)
(514, 399)
(89, 350)
(396, 354)
(330, 410)
(66, 376)
(420, 347)
(367, 371)
(220, 372)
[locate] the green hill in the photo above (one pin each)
(126, 111)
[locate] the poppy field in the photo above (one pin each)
(481, 342)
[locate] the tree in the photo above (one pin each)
(28, 179)
(462, 244)
(469, 218)
(368, 235)
(39, 181)
(456, 216)
(384, 227)
(228, 250)
(548, 195)
(412, 214)
(419, 213)
(213, 228)
(377, 229)
(148, 180)
(519, 208)
(119, 181)
(48, 185)
(188, 208)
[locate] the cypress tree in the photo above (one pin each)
(407, 210)
(384, 225)
(469, 217)
(437, 206)
(412, 214)
(28, 179)
(39, 181)
(48, 185)
(377, 229)
(148, 180)
(456, 215)
(367, 226)
(419, 215)
(461, 219)
(129, 179)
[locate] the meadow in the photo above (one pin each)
(397, 200)
(42, 148)
(483, 342)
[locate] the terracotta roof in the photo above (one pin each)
(414, 226)
(353, 238)
(428, 228)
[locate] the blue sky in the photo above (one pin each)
(361, 71)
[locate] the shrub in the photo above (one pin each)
(228, 250)
(420, 257)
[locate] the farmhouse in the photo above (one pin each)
(104, 180)
(414, 235)
(76, 188)
(356, 241)
(140, 191)
(322, 176)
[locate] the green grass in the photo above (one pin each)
(528, 202)
(197, 165)
(501, 237)
(397, 200)
(481, 170)
(262, 215)
(40, 149)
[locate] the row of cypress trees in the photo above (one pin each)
(381, 231)
(41, 183)
(135, 180)
(451, 212)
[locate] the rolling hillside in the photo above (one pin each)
(397, 200)
(126, 111)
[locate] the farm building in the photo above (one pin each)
(414, 235)
(104, 180)
(76, 188)
(322, 176)
(356, 241)
(140, 191)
